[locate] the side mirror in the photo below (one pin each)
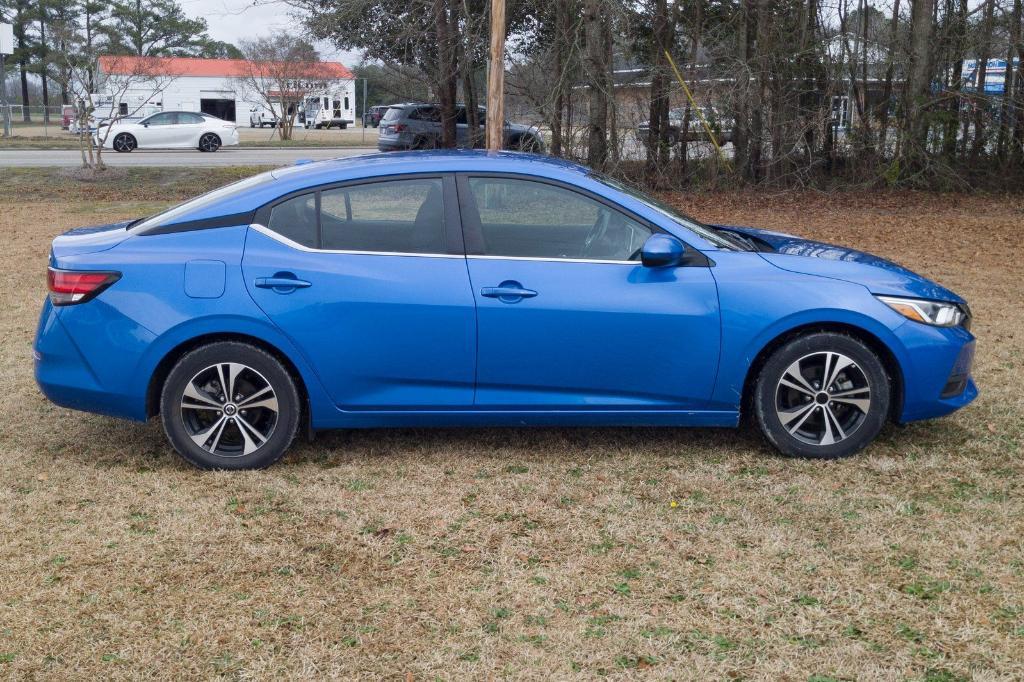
(662, 251)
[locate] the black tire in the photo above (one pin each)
(209, 142)
(124, 142)
(822, 421)
(183, 422)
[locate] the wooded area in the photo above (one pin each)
(924, 93)
(804, 91)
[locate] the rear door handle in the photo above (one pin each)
(282, 283)
(508, 292)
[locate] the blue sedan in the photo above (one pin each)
(472, 289)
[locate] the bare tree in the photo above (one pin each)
(128, 83)
(281, 71)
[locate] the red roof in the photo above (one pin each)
(195, 66)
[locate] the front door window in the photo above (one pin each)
(529, 219)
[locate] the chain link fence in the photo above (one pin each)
(39, 121)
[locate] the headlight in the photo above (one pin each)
(935, 313)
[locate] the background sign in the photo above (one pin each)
(6, 39)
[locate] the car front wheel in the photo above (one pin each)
(822, 396)
(230, 405)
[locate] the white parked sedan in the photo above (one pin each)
(171, 130)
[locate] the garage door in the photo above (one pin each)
(221, 108)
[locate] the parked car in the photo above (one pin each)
(463, 288)
(260, 117)
(418, 126)
(373, 115)
(722, 126)
(169, 130)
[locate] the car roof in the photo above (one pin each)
(440, 161)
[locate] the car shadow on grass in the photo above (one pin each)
(106, 442)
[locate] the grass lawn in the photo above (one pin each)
(535, 553)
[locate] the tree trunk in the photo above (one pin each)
(613, 113)
(980, 98)
(469, 99)
(1017, 147)
(657, 118)
(741, 132)
(915, 124)
(597, 76)
(756, 162)
(698, 33)
(44, 66)
(563, 48)
(890, 65)
(1006, 114)
(20, 22)
(447, 75)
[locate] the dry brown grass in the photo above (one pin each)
(661, 553)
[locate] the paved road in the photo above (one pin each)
(181, 159)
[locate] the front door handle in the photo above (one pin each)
(508, 292)
(282, 283)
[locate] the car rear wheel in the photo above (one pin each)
(230, 405)
(209, 143)
(123, 142)
(822, 396)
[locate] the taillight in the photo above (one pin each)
(398, 128)
(68, 287)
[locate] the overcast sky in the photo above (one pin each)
(236, 20)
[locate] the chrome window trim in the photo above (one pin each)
(556, 260)
(263, 229)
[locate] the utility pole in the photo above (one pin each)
(496, 79)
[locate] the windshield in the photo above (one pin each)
(719, 238)
(172, 215)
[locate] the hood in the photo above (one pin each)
(90, 239)
(879, 275)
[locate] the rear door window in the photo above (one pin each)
(295, 219)
(397, 216)
(432, 114)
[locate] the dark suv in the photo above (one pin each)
(373, 115)
(418, 126)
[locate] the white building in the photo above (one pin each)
(141, 85)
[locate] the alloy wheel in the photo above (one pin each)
(823, 398)
(209, 143)
(229, 409)
(124, 143)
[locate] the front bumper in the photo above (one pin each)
(936, 370)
